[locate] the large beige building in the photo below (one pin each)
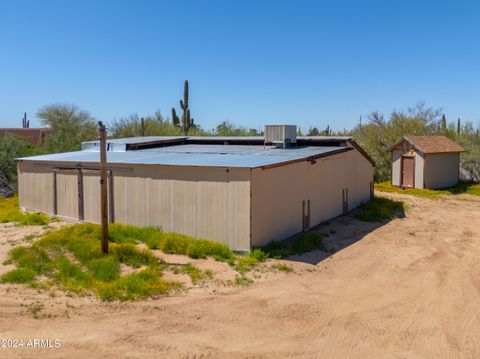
(425, 162)
(235, 190)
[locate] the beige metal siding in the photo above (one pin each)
(277, 193)
(441, 170)
(91, 197)
(67, 194)
(35, 188)
(198, 201)
(396, 167)
(212, 203)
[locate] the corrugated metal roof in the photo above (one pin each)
(198, 155)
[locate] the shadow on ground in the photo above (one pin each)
(339, 233)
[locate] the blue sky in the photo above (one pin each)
(309, 63)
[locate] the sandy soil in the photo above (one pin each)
(405, 289)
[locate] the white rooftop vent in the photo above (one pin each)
(281, 134)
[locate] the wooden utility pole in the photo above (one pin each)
(103, 185)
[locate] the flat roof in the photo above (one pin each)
(124, 144)
(139, 139)
(240, 156)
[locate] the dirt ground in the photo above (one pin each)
(405, 289)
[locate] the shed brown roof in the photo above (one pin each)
(34, 135)
(430, 144)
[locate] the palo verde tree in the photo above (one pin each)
(69, 126)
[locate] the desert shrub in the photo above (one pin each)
(258, 254)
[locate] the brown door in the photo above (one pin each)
(408, 168)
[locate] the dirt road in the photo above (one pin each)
(407, 289)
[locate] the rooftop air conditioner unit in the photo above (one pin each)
(281, 134)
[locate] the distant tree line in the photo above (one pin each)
(380, 132)
(70, 126)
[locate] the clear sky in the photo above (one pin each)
(309, 63)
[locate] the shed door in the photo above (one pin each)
(408, 167)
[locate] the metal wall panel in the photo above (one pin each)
(441, 170)
(91, 197)
(67, 194)
(35, 188)
(278, 193)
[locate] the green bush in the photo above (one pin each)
(258, 254)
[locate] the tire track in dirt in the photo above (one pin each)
(330, 331)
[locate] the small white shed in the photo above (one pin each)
(425, 162)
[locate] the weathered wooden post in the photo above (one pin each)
(103, 185)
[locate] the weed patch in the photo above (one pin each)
(302, 243)
(241, 280)
(380, 209)
(462, 187)
(174, 243)
(71, 259)
(10, 212)
(195, 274)
(283, 268)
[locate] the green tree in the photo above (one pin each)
(12, 147)
(379, 133)
(469, 138)
(155, 125)
(69, 125)
(227, 128)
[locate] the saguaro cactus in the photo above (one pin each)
(25, 122)
(175, 119)
(327, 131)
(187, 122)
(443, 125)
